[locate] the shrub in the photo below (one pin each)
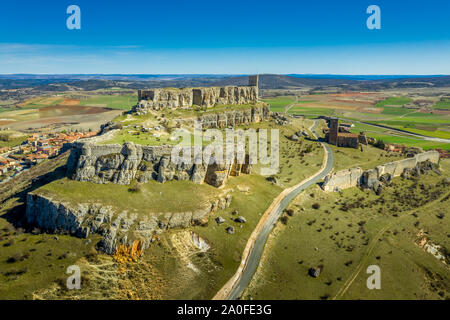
(284, 220)
(290, 212)
(316, 206)
(135, 188)
(10, 243)
(18, 257)
(379, 144)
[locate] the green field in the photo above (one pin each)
(443, 104)
(394, 101)
(124, 102)
(277, 104)
(311, 112)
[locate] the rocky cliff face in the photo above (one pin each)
(114, 163)
(115, 227)
(235, 117)
(158, 99)
(122, 163)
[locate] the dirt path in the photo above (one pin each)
(286, 109)
(372, 246)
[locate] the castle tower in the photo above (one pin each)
(253, 80)
(333, 133)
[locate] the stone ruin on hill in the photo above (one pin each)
(382, 174)
(91, 160)
(186, 98)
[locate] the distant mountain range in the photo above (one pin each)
(58, 83)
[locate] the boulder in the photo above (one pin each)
(220, 220)
(230, 230)
(240, 219)
(315, 272)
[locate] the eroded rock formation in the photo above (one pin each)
(171, 98)
(116, 227)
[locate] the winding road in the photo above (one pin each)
(252, 253)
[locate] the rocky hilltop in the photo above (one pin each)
(115, 227)
(172, 98)
(115, 163)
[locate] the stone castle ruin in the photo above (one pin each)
(91, 160)
(186, 98)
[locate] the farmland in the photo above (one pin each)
(374, 109)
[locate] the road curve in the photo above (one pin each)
(235, 286)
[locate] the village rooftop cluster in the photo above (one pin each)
(36, 148)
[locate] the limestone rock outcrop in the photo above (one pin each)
(115, 227)
(171, 98)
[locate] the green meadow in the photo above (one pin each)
(394, 101)
(124, 102)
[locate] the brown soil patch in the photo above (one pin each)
(70, 102)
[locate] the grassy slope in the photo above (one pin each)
(407, 271)
(369, 158)
(154, 196)
(442, 105)
(45, 259)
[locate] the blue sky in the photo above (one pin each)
(232, 37)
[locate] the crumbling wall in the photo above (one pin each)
(355, 176)
(342, 179)
(169, 98)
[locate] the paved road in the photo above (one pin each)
(258, 248)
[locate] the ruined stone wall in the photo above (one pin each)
(158, 99)
(233, 118)
(342, 179)
(355, 176)
(169, 98)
